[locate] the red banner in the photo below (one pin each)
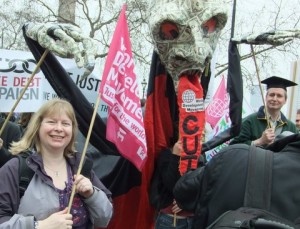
(191, 121)
(119, 89)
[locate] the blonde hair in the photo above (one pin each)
(31, 137)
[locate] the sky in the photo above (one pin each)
(256, 16)
(261, 16)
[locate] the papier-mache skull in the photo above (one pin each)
(185, 32)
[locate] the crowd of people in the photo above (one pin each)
(48, 137)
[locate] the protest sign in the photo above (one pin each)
(16, 68)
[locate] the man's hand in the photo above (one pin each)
(175, 208)
(177, 148)
(267, 137)
(65, 40)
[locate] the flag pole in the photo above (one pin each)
(24, 89)
(84, 150)
(260, 87)
(233, 19)
(174, 219)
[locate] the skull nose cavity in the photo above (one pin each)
(180, 58)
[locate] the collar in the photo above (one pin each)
(277, 120)
(37, 158)
(261, 115)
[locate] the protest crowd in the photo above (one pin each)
(164, 161)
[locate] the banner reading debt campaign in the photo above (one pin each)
(16, 68)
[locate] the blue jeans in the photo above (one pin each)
(165, 221)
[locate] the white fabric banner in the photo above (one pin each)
(16, 68)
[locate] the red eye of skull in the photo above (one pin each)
(210, 25)
(168, 31)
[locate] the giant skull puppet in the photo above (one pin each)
(185, 33)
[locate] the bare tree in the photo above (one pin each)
(66, 11)
(12, 19)
(271, 15)
(97, 18)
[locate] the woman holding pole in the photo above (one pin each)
(50, 140)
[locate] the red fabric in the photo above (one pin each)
(132, 211)
(191, 121)
(158, 123)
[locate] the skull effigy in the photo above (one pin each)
(185, 33)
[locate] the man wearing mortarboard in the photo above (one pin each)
(261, 128)
(298, 119)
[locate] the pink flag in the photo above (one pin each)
(119, 89)
(219, 105)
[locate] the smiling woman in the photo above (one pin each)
(50, 139)
(56, 111)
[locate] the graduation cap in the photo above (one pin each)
(277, 82)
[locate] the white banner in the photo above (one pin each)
(223, 124)
(16, 68)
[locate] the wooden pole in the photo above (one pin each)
(260, 87)
(174, 219)
(84, 150)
